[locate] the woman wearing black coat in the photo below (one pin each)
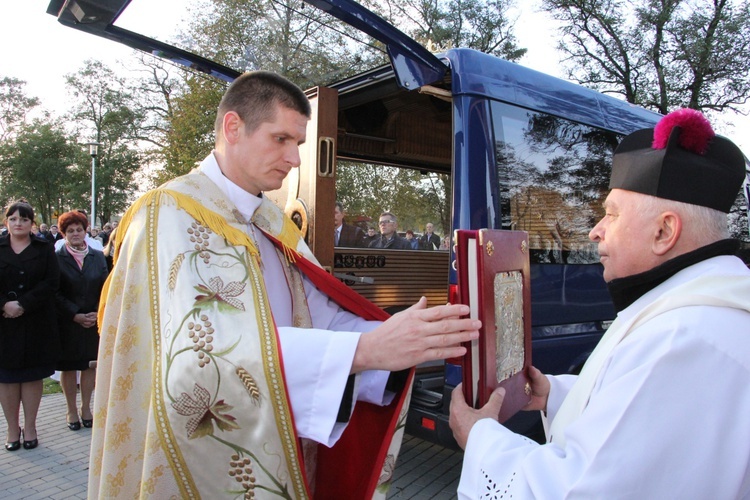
(83, 272)
(29, 341)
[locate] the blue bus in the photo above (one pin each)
(522, 151)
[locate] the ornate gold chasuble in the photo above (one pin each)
(191, 400)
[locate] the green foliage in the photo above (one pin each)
(106, 112)
(115, 172)
(414, 197)
(484, 25)
(51, 386)
(190, 134)
(14, 105)
(39, 164)
(661, 54)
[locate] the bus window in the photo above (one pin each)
(553, 176)
(395, 276)
(414, 197)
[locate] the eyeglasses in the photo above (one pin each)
(381, 222)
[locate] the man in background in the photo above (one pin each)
(429, 240)
(54, 235)
(345, 235)
(389, 238)
(370, 236)
(43, 231)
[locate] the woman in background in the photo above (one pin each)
(83, 271)
(29, 341)
(109, 249)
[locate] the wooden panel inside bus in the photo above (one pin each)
(393, 279)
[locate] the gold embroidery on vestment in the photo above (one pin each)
(271, 360)
(123, 385)
(118, 434)
(250, 385)
(148, 486)
(114, 483)
(174, 268)
(183, 478)
(128, 337)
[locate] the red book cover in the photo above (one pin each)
(494, 281)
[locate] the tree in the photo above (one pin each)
(114, 179)
(190, 135)
(39, 165)
(484, 25)
(14, 105)
(107, 113)
(414, 197)
(275, 35)
(154, 106)
(661, 54)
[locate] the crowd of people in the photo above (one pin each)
(351, 236)
(50, 282)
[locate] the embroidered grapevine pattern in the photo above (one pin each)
(209, 416)
(241, 470)
(202, 335)
(199, 235)
(203, 413)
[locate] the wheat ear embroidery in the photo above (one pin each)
(174, 268)
(250, 385)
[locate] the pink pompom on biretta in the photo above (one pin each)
(695, 130)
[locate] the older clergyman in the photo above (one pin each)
(660, 409)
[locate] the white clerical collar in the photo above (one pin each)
(245, 202)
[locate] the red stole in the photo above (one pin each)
(352, 468)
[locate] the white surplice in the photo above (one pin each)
(666, 418)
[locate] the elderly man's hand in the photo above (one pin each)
(415, 336)
(540, 388)
(463, 417)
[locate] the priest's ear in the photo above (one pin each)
(667, 233)
(231, 127)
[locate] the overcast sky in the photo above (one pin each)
(39, 50)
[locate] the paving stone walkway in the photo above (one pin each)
(58, 468)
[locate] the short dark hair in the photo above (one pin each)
(254, 96)
(23, 208)
(389, 214)
(340, 207)
(70, 218)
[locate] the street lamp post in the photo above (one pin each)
(93, 151)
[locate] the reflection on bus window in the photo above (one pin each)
(553, 176)
(396, 208)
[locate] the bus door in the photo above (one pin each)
(308, 194)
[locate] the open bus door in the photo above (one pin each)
(308, 194)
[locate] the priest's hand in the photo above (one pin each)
(539, 390)
(463, 417)
(414, 336)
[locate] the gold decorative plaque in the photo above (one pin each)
(510, 352)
